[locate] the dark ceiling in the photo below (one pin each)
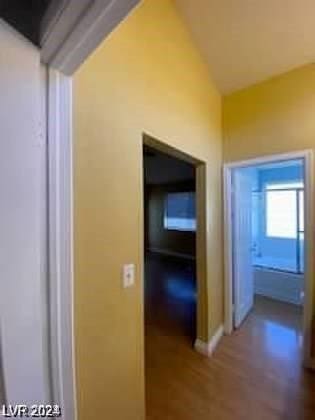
(161, 168)
(25, 16)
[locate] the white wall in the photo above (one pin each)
(286, 287)
(22, 240)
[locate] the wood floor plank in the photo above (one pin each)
(254, 374)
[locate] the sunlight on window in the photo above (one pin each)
(281, 215)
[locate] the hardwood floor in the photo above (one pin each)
(255, 374)
(170, 296)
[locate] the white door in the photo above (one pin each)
(23, 301)
(242, 244)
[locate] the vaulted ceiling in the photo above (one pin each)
(248, 41)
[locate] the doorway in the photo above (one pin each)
(175, 276)
(267, 247)
(170, 225)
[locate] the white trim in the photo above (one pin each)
(228, 255)
(44, 222)
(78, 29)
(307, 156)
(301, 154)
(207, 349)
(172, 253)
(60, 19)
(54, 15)
(309, 252)
(61, 242)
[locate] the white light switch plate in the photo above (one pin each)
(128, 275)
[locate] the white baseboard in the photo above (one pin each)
(171, 253)
(207, 349)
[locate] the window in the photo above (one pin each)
(281, 214)
(284, 219)
(180, 211)
(284, 210)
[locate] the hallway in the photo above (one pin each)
(254, 374)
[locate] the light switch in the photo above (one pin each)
(128, 275)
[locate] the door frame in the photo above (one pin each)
(64, 49)
(308, 158)
(202, 318)
(60, 243)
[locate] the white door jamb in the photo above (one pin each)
(60, 214)
(307, 156)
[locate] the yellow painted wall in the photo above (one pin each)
(272, 117)
(276, 116)
(146, 77)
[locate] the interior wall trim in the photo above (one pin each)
(207, 349)
(76, 28)
(60, 221)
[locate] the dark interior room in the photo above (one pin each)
(170, 245)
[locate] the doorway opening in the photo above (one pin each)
(267, 238)
(170, 224)
(175, 263)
